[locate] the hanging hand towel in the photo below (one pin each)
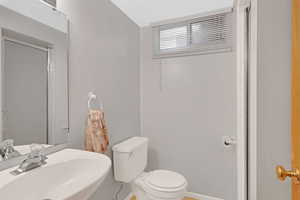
(96, 135)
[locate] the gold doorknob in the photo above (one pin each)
(282, 173)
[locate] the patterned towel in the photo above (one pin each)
(96, 135)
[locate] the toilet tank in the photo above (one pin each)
(130, 158)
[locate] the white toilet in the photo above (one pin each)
(130, 160)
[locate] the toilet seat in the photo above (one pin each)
(164, 180)
(163, 184)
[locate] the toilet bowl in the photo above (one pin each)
(130, 160)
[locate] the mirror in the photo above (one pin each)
(34, 84)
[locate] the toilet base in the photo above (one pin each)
(188, 196)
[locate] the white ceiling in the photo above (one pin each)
(145, 12)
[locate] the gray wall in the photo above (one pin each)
(274, 61)
(105, 60)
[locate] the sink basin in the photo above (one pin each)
(68, 175)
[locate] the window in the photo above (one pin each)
(203, 35)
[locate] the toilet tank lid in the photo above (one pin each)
(130, 145)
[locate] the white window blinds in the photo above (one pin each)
(204, 35)
(173, 38)
(212, 30)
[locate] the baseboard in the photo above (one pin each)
(188, 194)
(200, 196)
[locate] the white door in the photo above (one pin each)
(25, 94)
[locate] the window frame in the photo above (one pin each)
(191, 47)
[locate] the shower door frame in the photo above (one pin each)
(252, 101)
(242, 63)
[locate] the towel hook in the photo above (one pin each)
(91, 97)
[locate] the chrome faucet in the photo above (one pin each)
(7, 150)
(35, 159)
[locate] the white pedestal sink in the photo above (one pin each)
(68, 175)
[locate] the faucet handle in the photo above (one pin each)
(37, 153)
(36, 150)
(7, 144)
(7, 150)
